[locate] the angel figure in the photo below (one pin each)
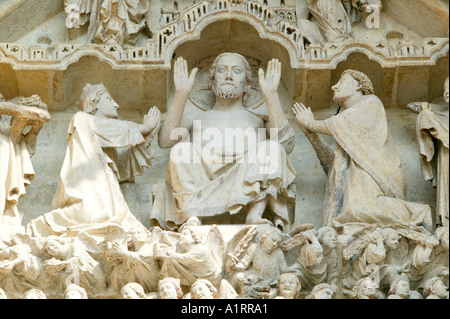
(262, 259)
(71, 259)
(130, 259)
(365, 251)
(430, 258)
(192, 258)
(21, 267)
(318, 261)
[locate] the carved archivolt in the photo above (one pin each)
(158, 51)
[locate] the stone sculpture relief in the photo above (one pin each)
(75, 292)
(435, 289)
(250, 185)
(364, 163)
(432, 137)
(169, 288)
(132, 290)
(288, 286)
(16, 149)
(224, 224)
(93, 137)
(366, 288)
(112, 22)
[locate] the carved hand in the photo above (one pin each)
(270, 81)
(303, 116)
(117, 248)
(415, 107)
(182, 80)
(152, 118)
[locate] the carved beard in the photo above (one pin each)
(227, 91)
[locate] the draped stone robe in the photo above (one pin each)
(88, 197)
(366, 182)
(432, 136)
(206, 189)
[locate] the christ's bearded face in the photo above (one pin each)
(230, 78)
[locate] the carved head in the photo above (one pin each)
(75, 292)
(322, 291)
(365, 288)
(96, 100)
(34, 294)
(400, 286)
(288, 286)
(328, 237)
(54, 248)
(169, 288)
(203, 289)
(189, 237)
(132, 290)
(271, 239)
(435, 286)
(391, 238)
(350, 84)
(230, 76)
(446, 92)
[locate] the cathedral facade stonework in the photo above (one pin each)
(224, 149)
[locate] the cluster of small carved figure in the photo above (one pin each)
(258, 262)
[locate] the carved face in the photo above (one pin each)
(402, 289)
(288, 285)
(345, 88)
(201, 291)
(368, 289)
(107, 107)
(271, 242)
(330, 239)
(230, 77)
(54, 248)
(186, 238)
(440, 290)
(129, 293)
(446, 92)
(392, 241)
(167, 291)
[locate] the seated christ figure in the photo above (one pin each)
(228, 161)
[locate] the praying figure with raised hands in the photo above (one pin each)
(366, 182)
